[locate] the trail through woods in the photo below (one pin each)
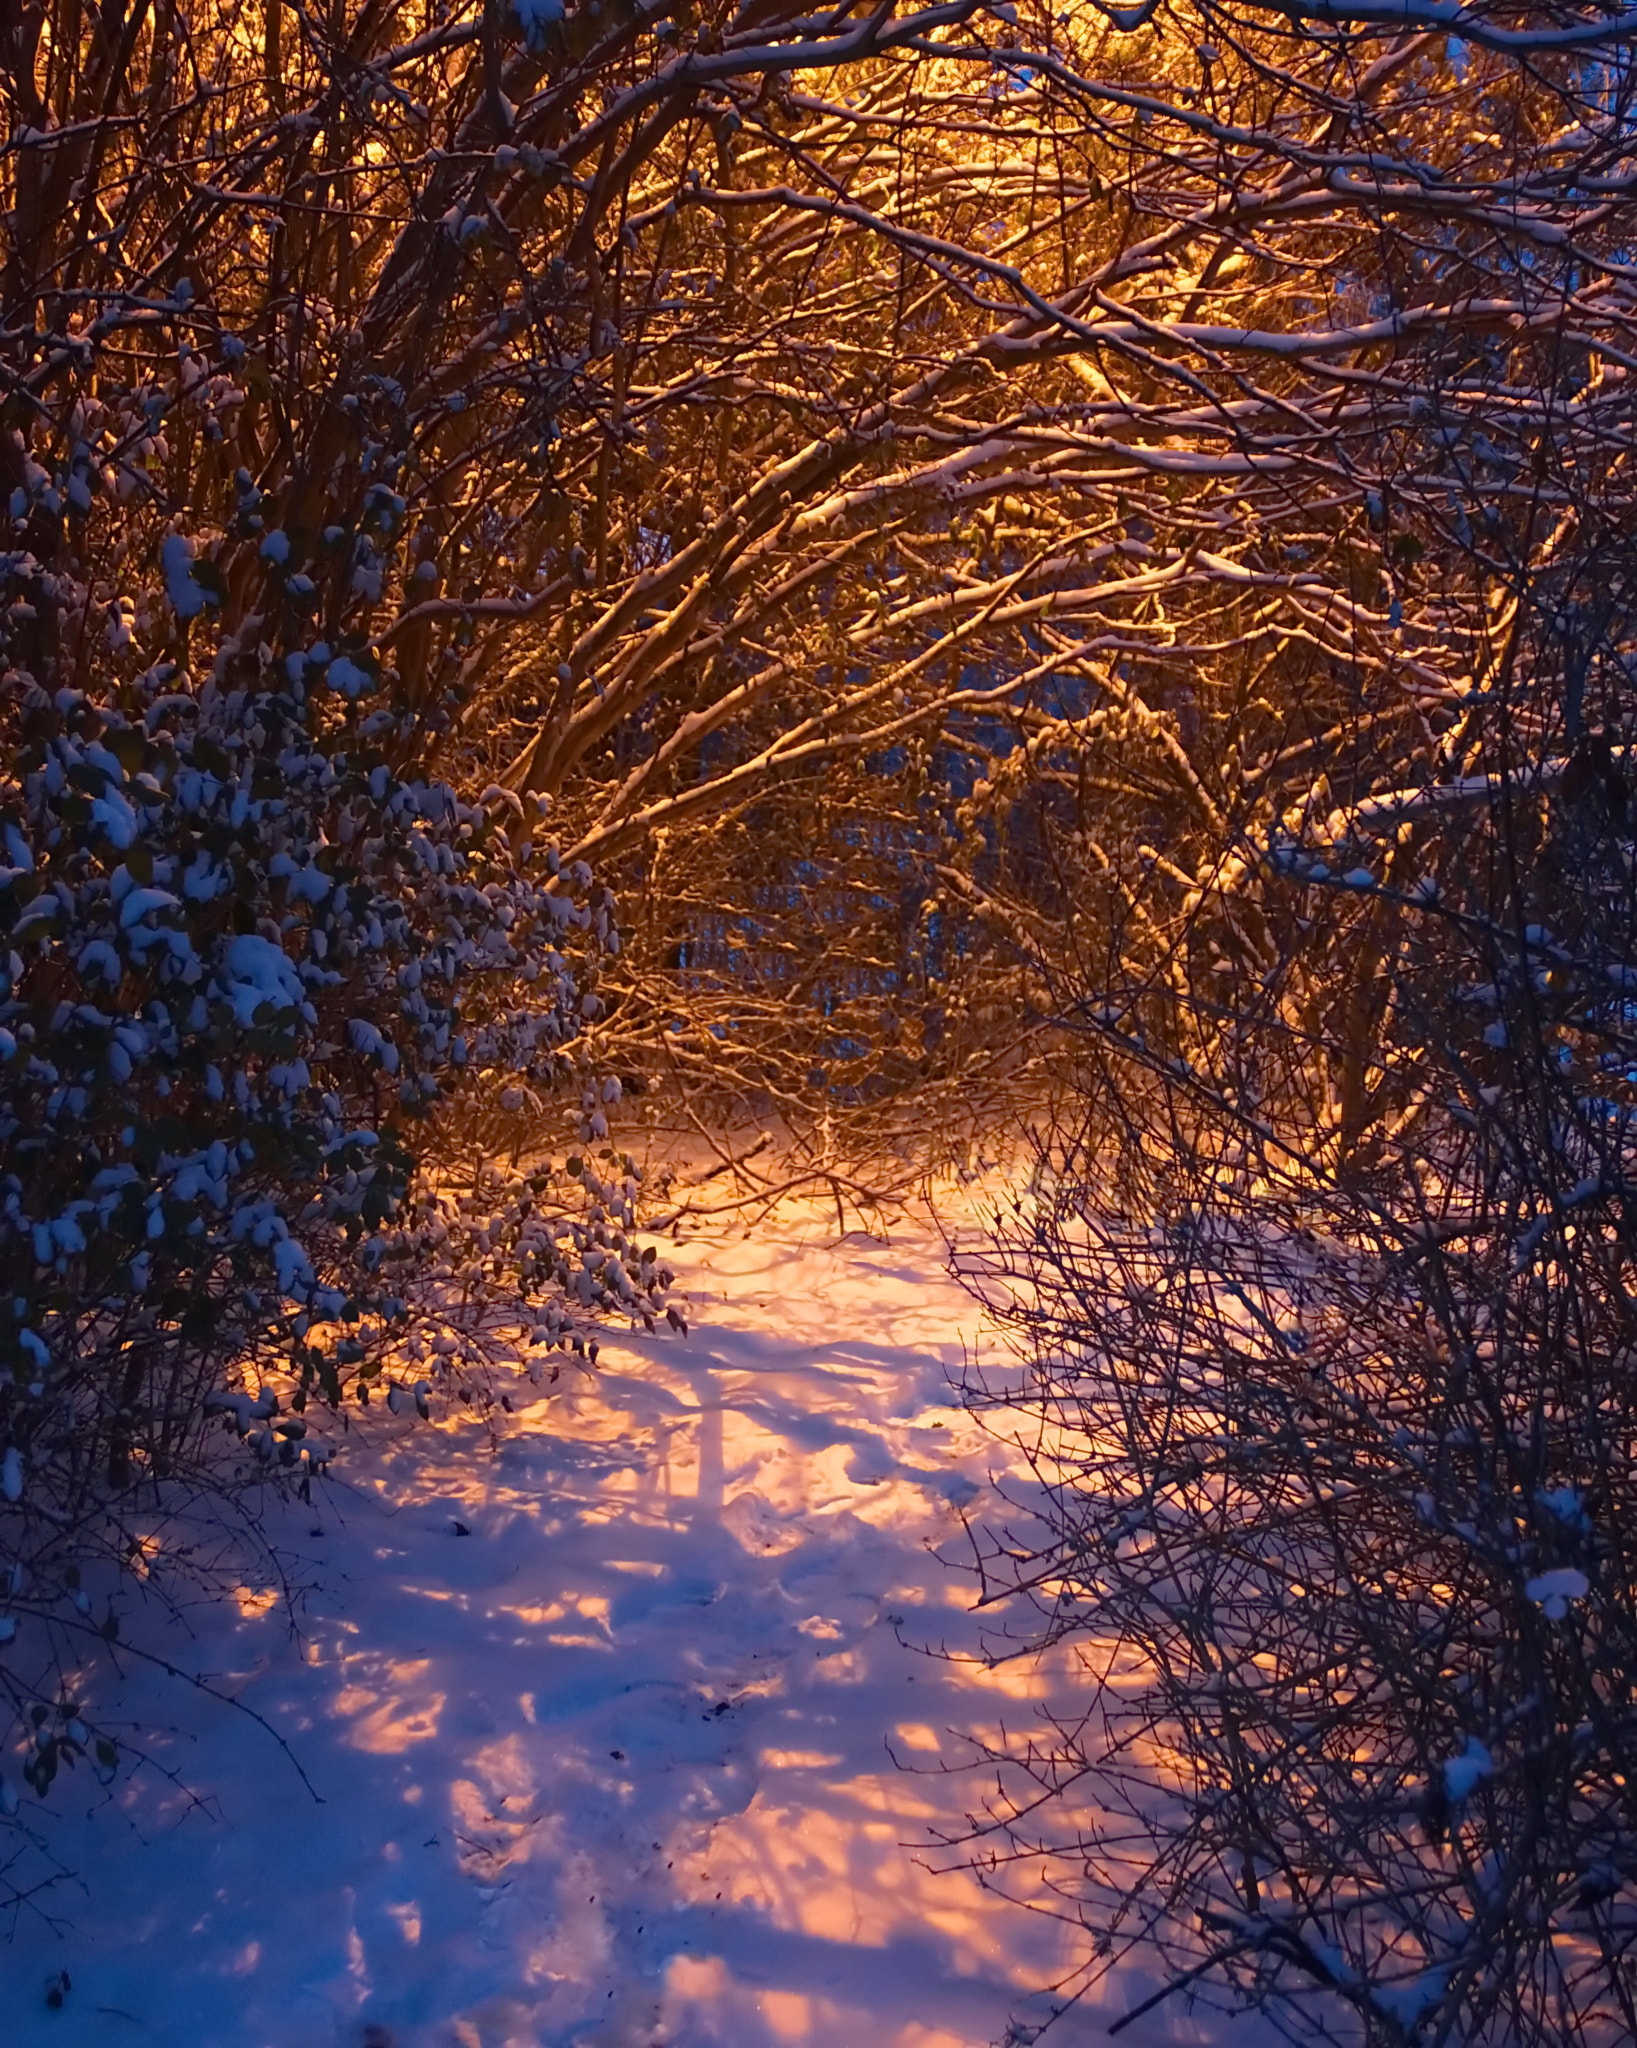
(616, 1767)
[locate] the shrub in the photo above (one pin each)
(257, 940)
(246, 964)
(1325, 1317)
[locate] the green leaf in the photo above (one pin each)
(128, 747)
(210, 579)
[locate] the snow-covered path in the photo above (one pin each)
(616, 1767)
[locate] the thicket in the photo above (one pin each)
(1322, 1290)
(1333, 1437)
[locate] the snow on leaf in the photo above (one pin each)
(535, 17)
(188, 596)
(348, 678)
(116, 817)
(1553, 1590)
(258, 972)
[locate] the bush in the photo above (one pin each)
(1326, 1320)
(250, 956)
(257, 938)
(247, 963)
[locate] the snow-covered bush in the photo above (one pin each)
(266, 953)
(245, 964)
(249, 970)
(1326, 1340)
(1343, 1522)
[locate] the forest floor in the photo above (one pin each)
(617, 1731)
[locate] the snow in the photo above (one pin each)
(116, 817)
(188, 597)
(258, 972)
(244, 1408)
(139, 902)
(1567, 1506)
(1554, 1590)
(1463, 1774)
(535, 17)
(347, 677)
(1406, 2002)
(600, 1724)
(367, 1040)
